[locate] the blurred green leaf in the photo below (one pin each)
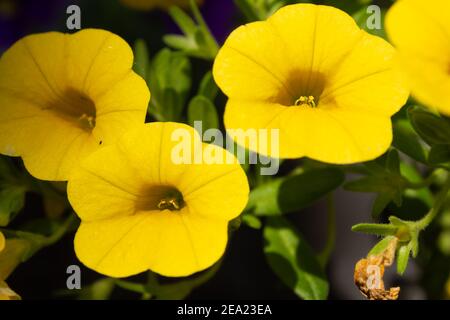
(252, 221)
(255, 10)
(380, 203)
(183, 20)
(393, 162)
(413, 175)
(403, 258)
(365, 17)
(443, 242)
(208, 87)
(439, 153)
(141, 58)
(12, 200)
(202, 109)
(99, 290)
(385, 179)
(15, 252)
(183, 288)
(432, 128)
(197, 40)
(292, 259)
(292, 193)
(169, 80)
(408, 141)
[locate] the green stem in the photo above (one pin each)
(324, 256)
(422, 184)
(212, 43)
(438, 203)
(61, 231)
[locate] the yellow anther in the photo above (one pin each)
(306, 100)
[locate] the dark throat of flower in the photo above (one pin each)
(161, 198)
(305, 89)
(75, 107)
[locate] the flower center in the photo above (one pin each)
(160, 198)
(309, 101)
(302, 88)
(75, 107)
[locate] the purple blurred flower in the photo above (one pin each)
(21, 17)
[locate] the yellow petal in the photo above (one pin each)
(64, 96)
(365, 82)
(171, 244)
(424, 48)
(253, 65)
(12, 256)
(6, 293)
(328, 134)
(429, 36)
(2, 242)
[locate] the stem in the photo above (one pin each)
(324, 256)
(61, 231)
(438, 203)
(422, 184)
(212, 43)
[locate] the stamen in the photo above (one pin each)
(169, 203)
(87, 121)
(306, 100)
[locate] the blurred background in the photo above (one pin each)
(244, 273)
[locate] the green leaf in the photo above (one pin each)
(393, 161)
(292, 193)
(15, 252)
(99, 290)
(170, 83)
(183, 20)
(361, 17)
(403, 254)
(376, 229)
(12, 200)
(380, 203)
(180, 43)
(202, 109)
(208, 87)
(252, 221)
(439, 153)
(197, 40)
(381, 246)
(412, 174)
(408, 141)
(182, 289)
(292, 259)
(432, 128)
(245, 6)
(141, 58)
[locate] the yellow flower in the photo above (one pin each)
(2, 242)
(64, 96)
(11, 253)
(6, 293)
(152, 4)
(311, 72)
(421, 32)
(140, 210)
